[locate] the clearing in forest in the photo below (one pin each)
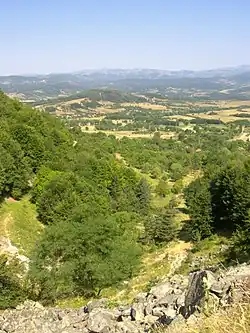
(18, 223)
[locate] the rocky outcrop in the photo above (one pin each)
(172, 301)
(12, 251)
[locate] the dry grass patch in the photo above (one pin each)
(223, 115)
(77, 100)
(146, 106)
(235, 319)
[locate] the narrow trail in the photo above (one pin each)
(178, 254)
(5, 222)
(174, 256)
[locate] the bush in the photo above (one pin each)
(11, 290)
(161, 228)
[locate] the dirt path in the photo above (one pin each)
(177, 255)
(171, 258)
(4, 227)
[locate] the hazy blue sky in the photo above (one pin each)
(41, 36)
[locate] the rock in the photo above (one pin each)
(149, 307)
(177, 319)
(170, 312)
(164, 320)
(101, 321)
(126, 312)
(101, 303)
(180, 301)
(150, 319)
(141, 298)
(158, 312)
(128, 327)
(196, 293)
(220, 288)
(137, 311)
(161, 311)
(167, 300)
(161, 290)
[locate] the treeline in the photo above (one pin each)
(28, 139)
(219, 203)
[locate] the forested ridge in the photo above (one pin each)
(98, 199)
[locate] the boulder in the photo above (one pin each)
(100, 303)
(161, 290)
(128, 327)
(141, 298)
(168, 300)
(101, 321)
(199, 283)
(138, 312)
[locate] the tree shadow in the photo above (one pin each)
(183, 210)
(184, 233)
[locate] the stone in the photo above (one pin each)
(126, 312)
(167, 300)
(149, 307)
(180, 301)
(138, 311)
(128, 327)
(150, 319)
(141, 298)
(167, 303)
(161, 290)
(220, 288)
(158, 311)
(164, 320)
(195, 294)
(170, 312)
(101, 321)
(101, 303)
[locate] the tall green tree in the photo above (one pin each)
(162, 227)
(143, 194)
(198, 201)
(231, 197)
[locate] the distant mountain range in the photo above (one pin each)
(235, 80)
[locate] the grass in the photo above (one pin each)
(72, 303)
(204, 254)
(20, 225)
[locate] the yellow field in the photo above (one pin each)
(103, 109)
(129, 134)
(77, 100)
(186, 117)
(146, 106)
(223, 115)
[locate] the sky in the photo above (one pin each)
(44, 36)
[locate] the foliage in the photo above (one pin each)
(198, 201)
(161, 228)
(11, 290)
(84, 256)
(241, 241)
(162, 188)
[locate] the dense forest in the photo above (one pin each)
(95, 196)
